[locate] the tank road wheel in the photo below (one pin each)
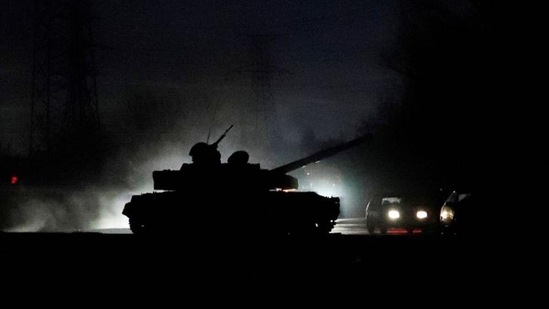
(324, 227)
(137, 227)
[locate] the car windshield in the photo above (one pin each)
(391, 200)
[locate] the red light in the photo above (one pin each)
(14, 180)
(403, 231)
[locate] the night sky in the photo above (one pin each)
(419, 75)
(326, 73)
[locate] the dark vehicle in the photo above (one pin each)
(408, 212)
(468, 213)
(233, 198)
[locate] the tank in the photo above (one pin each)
(237, 197)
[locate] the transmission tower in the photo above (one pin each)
(64, 109)
(258, 118)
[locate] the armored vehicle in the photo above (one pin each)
(237, 197)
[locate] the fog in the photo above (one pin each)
(292, 79)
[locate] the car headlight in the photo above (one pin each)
(421, 214)
(446, 214)
(393, 214)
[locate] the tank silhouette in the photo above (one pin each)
(236, 197)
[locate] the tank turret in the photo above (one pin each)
(236, 196)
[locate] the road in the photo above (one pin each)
(346, 262)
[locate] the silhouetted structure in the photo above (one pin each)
(64, 122)
(258, 123)
(234, 197)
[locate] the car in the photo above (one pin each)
(404, 212)
(468, 213)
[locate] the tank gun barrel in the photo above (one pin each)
(222, 136)
(322, 154)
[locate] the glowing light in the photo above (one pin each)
(397, 231)
(421, 214)
(447, 214)
(287, 190)
(14, 180)
(393, 214)
(112, 221)
(112, 204)
(326, 187)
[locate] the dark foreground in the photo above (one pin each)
(357, 268)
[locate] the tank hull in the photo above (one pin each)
(275, 213)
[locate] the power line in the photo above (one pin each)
(64, 105)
